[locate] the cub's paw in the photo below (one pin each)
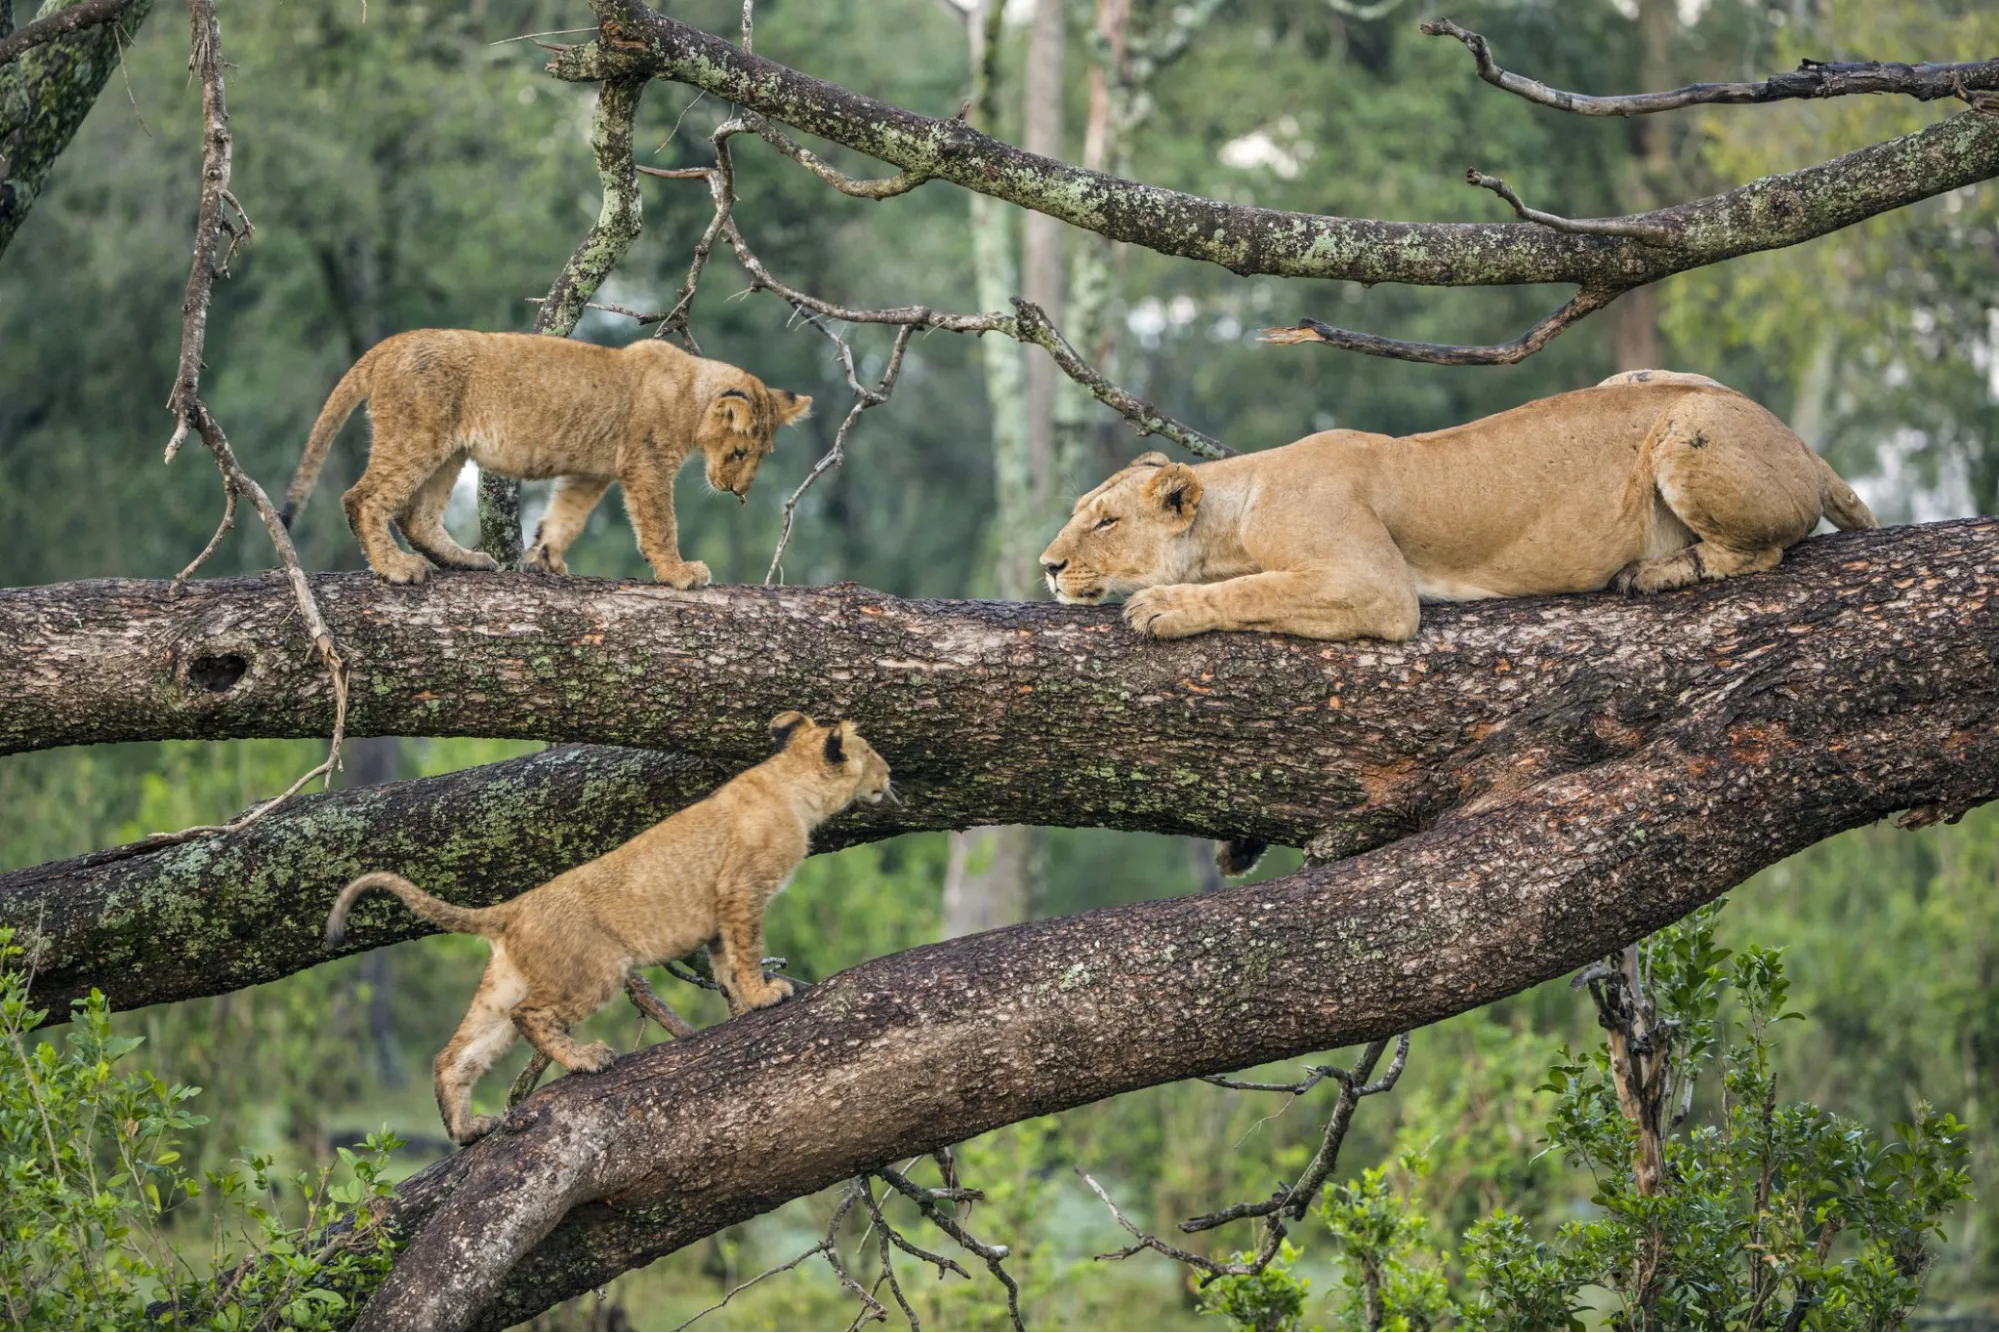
(593, 1059)
(478, 1127)
(405, 568)
(775, 991)
(1171, 611)
(685, 575)
(477, 560)
(543, 561)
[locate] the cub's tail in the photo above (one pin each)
(484, 921)
(1841, 506)
(347, 395)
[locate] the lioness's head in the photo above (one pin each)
(737, 426)
(835, 751)
(1129, 533)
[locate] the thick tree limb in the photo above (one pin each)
(1812, 78)
(47, 86)
(1805, 720)
(1767, 214)
(990, 712)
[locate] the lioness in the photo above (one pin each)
(1649, 481)
(535, 407)
(700, 877)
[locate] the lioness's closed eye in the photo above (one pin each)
(700, 877)
(1650, 481)
(534, 407)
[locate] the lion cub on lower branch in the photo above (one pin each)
(530, 406)
(700, 877)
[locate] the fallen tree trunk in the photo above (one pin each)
(1790, 742)
(990, 712)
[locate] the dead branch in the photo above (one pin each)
(1811, 79)
(191, 415)
(1583, 303)
(1649, 232)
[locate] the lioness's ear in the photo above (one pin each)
(790, 407)
(785, 723)
(1153, 459)
(1175, 489)
(733, 407)
(836, 752)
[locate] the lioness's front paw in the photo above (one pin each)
(687, 574)
(1171, 611)
(540, 559)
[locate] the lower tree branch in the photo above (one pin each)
(1520, 886)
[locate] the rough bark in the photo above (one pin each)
(1771, 213)
(989, 712)
(1801, 720)
(45, 92)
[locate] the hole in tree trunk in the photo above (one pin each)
(218, 672)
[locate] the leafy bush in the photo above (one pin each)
(93, 1192)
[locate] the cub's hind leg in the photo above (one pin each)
(422, 521)
(482, 1037)
(402, 458)
(546, 1029)
(1738, 478)
(568, 510)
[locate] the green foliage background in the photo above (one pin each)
(416, 169)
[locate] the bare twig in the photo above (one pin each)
(1289, 1201)
(1583, 303)
(930, 1202)
(191, 415)
(1034, 327)
(884, 188)
(864, 398)
(1651, 233)
(826, 1247)
(83, 14)
(1812, 78)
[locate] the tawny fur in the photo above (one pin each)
(1649, 481)
(535, 407)
(700, 877)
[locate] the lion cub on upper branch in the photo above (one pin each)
(530, 406)
(700, 877)
(1652, 480)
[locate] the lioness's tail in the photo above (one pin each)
(347, 395)
(461, 920)
(1845, 510)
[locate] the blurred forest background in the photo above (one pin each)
(410, 165)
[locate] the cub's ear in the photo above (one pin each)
(790, 407)
(734, 409)
(1152, 459)
(1176, 490)
(836, 741)
(785, 723)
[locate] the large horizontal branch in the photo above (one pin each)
(990, 712)
(1767, 214)
(1808, 718)
(1811, 79)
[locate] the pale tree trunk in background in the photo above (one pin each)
(986, 881)
(376, 761)
(1814, 397)
(1041, 283)
(1635, 317)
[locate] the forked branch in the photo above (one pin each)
(1583, 303)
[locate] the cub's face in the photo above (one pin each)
(1132, 532)
(836, 750)
(736, 430)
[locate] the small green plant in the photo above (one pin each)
(1388, 1277)
(99, 1218)
(1270, 1301)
